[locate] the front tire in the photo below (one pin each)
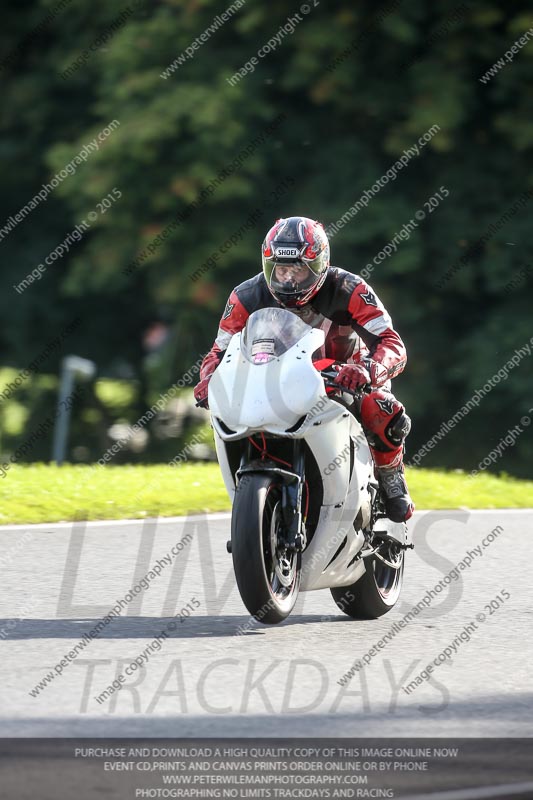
(379, 588)
(268, 577)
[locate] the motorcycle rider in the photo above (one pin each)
(359, 334)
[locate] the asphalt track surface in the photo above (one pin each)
(217, 673)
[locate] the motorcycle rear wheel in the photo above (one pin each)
(377, 591)
(268, 577)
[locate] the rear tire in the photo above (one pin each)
(268, 578)
(377, 591)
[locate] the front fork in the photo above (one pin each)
(292, 534)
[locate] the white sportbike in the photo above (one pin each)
(307, 510)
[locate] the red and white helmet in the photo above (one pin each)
(295, 257)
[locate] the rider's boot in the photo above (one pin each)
(386, 425)
(398, 504)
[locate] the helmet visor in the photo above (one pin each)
(292, 279)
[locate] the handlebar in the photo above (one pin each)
(329, 376)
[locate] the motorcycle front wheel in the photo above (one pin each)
(268, 576)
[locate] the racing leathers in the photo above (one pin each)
(358, 332)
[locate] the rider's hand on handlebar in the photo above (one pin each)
(356, 376)
(352, 377)
(200, 392)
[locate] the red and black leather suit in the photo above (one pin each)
(356, 326)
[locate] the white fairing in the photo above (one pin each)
(269, 397)
(287, 392)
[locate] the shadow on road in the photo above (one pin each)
(148, 627)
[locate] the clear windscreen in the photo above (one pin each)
(269, 333)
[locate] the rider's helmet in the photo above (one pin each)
(295, 258)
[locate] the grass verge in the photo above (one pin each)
(45, 493)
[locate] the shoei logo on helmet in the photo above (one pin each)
(287, 252)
